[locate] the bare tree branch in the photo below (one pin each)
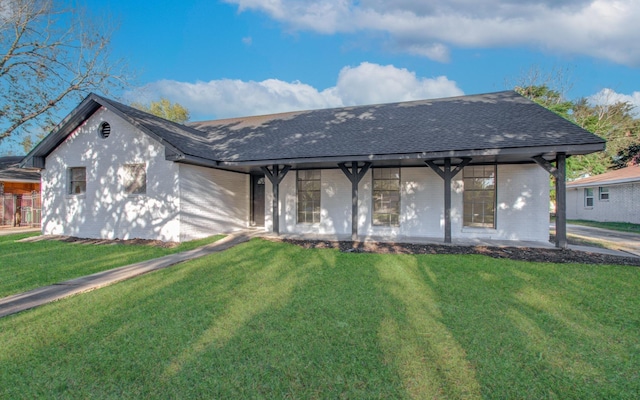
(50, 57)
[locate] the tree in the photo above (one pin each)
(628, 156)
(163, 108)
(547, 88)
(548, 98)
(49, 58)
(612, 121)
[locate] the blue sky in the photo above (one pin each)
(245, 57)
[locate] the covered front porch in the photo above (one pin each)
(436, 214)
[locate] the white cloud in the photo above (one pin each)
(609, 96)
(372, 83)
(606, 29)
(365, 84)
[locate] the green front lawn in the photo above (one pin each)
(271, 320)
(25, 266)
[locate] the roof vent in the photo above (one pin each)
(105, 130)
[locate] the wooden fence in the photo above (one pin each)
(20, 209)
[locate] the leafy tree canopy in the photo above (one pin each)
(612, 121)
(163, 108)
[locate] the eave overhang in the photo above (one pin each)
(504, 155)
(603, 183)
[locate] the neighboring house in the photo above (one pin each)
(464, 167)
(16, 180)
(19, 193)
(610, 197)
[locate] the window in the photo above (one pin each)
(588, 197)
(386, 196)
(135, 179)
(308, 196)
(479, 197)
(104, 130)
(604, 193)
(77, 180)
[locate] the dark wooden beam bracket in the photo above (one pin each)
(447, 174)
(276, 175)
(355, 176)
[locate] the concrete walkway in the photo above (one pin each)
(37, 297)
(10, 230)
(625, 241)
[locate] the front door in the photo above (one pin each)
(257, 200)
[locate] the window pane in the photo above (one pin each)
(77, 180)
(588, 197)
(386, 196)
(308, 196)
(135, 179)
(604, 193)
(479, 197)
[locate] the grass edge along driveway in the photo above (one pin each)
(271, 320)
(29, 265)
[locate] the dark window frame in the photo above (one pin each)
(308, 196)
(386, 196)
(77, 180)
(479, 198)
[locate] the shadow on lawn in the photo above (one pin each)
(272, 320)
(542, 330)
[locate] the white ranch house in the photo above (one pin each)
(456, 168)
(610, 197)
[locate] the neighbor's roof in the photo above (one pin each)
(488, 125)
(618, 176)
(11, 172)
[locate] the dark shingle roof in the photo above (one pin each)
(10, 171)
(489, 121)
(477, 124)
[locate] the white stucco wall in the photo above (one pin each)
(105, 210)
(212, 201)
(623, 204)
(522, 206)
(522, 211)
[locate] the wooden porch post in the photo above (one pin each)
(447, 175)
(561, 201)
(275, 176)
(559, 172)
(355, 176)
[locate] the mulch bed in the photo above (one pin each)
(551, 255)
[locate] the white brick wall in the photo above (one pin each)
(185, 202)
(212, 201)
(522, 205)
(623, 204)
(105, 210)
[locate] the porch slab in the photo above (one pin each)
(415, 240)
